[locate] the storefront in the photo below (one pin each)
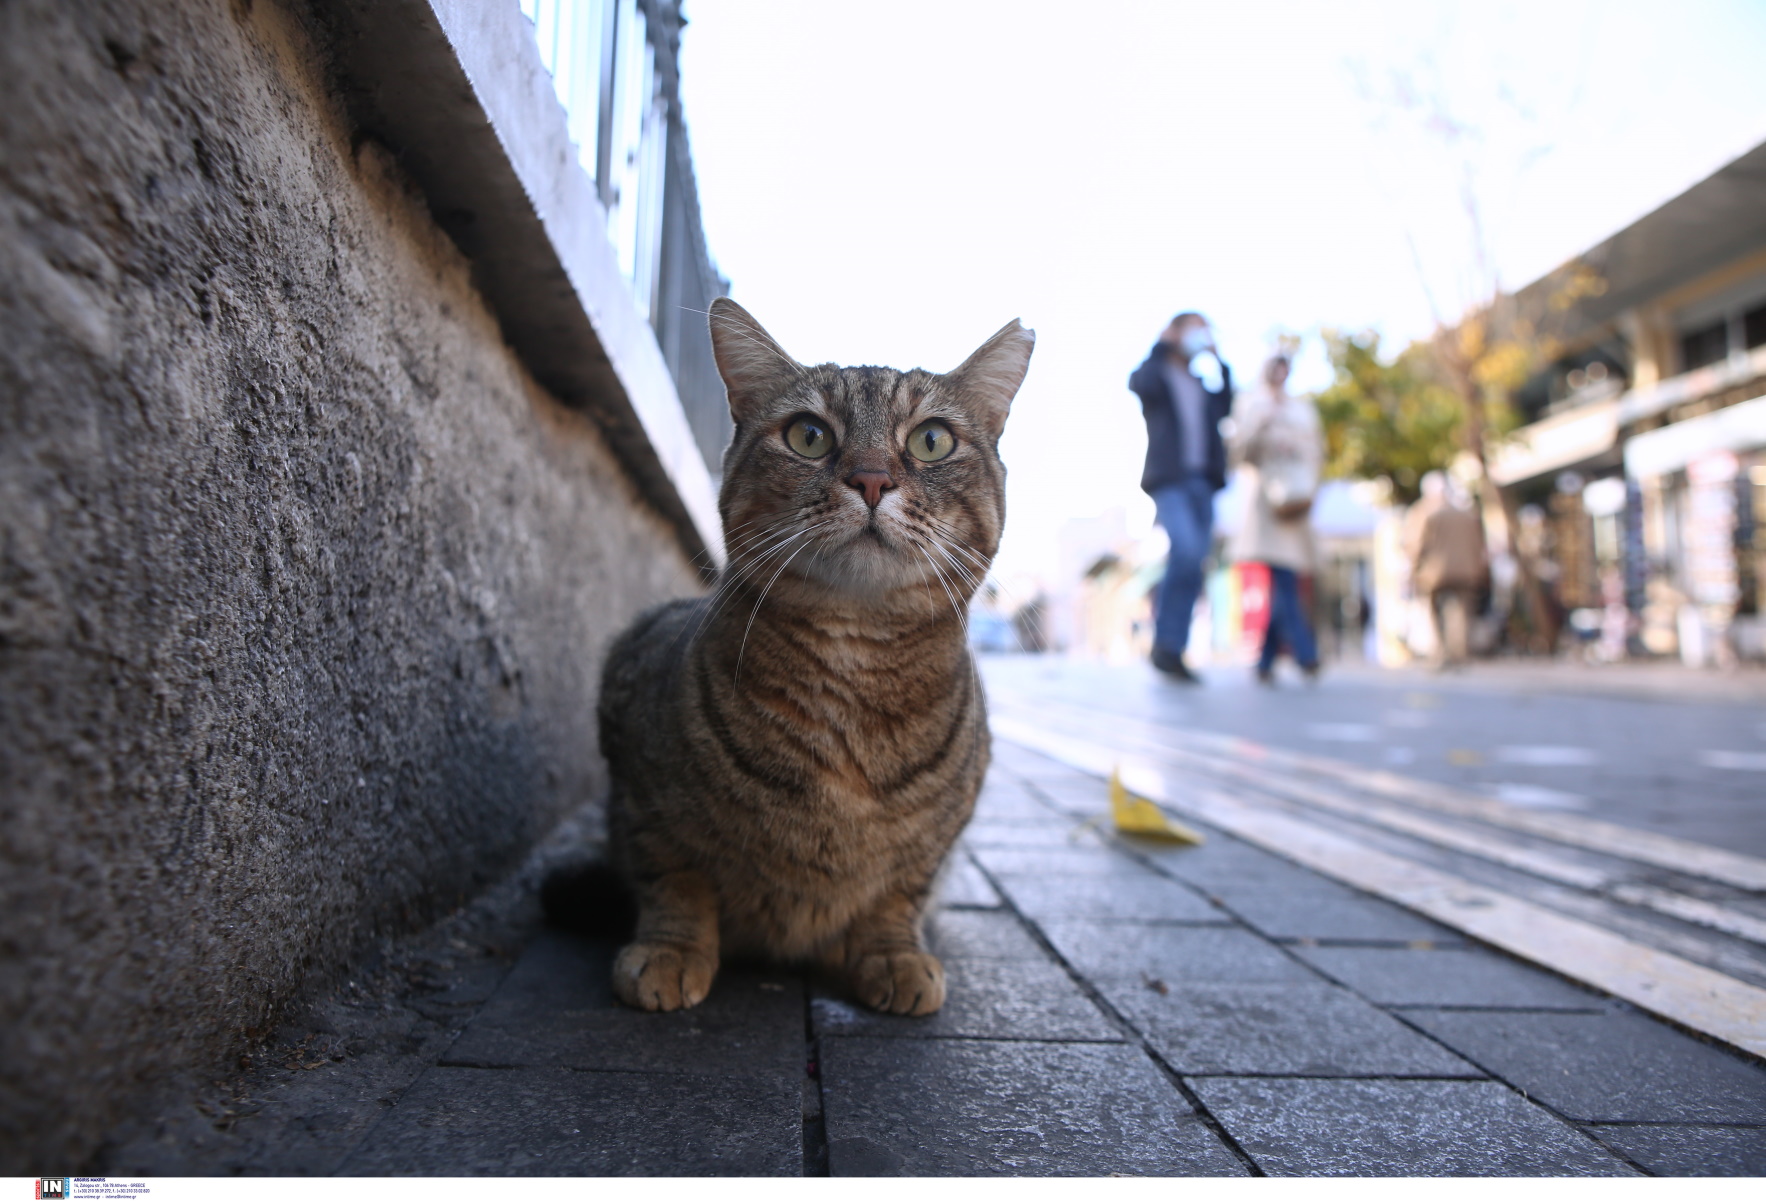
(1702, 483)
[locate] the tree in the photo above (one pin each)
(1472, 364)
(1394, 421)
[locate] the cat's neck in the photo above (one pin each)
(870, 629)
(899, 611)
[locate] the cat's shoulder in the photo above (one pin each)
(650, 641)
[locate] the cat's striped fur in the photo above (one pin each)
(793, 756)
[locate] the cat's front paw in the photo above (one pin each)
(910, 982)
(661, 976)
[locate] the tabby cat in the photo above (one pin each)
(794, 755)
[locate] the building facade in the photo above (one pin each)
(615, 65)
(1641, 474)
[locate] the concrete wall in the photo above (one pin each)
(304, 582)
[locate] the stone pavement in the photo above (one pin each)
(1113, 1009)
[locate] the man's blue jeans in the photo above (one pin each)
(1287, 622)
(1186, 511)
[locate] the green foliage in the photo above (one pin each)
(1394, 421)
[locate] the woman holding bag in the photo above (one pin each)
(1277, 442)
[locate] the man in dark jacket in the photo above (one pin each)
(1186, 466)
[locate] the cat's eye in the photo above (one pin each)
(931, 441)
(809, 437)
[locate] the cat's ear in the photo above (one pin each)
(991, 376)
(754, 367)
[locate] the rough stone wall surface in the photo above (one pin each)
(304, 584)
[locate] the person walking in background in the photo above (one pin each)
(1186, 466)
(1276, 439)
(1444, 538)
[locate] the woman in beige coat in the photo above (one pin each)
(1277, 442)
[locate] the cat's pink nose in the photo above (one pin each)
(872, 483)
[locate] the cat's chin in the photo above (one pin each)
(880, 568)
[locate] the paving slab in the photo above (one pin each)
(1454, 977)
(947, 1107)
(980, 934)
(1019, 764)
(962, 886)
(303, 1117)
(1284, 900)
(984, 998)
(1004, 800)
(1277, 1029)
(461, 991)
(1134, 951)
(557, 1009)
(1074, 793)
(1062, 834)
(1399, 1128)
(559, 1122)
(1690, 1150)
(1137, 898)
(1223, 859)
(1312, 907)
(1059, 861)
(1611, 1067)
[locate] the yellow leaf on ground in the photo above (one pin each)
(1139, 816)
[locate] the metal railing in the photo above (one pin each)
(614, 64)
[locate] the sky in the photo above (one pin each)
(892, 183)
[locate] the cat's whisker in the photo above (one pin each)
(734, 576)
(783, 536)
(749, 569)
(734, 328)
(949, 595)
(730, 532)
(753, 565)
(943, 569)
(753, 548)
(983, 566)
(703, 558)
(743, 649)
(956, 541)
(926, 583)
(956, 564)
(749, 534)
(962, 619)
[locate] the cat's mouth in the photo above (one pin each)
(875, 553)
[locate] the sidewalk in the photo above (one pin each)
(1744, 684)
(1113, 1009)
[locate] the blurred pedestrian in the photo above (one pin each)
(1186, 466)
(1444, 538)
(1277, 441)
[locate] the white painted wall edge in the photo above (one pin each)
(496, 49)
(1658, 398)
(1739, 427)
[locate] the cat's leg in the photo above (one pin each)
(671, 961)
(886, 965)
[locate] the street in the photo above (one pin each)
(1683, 756)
